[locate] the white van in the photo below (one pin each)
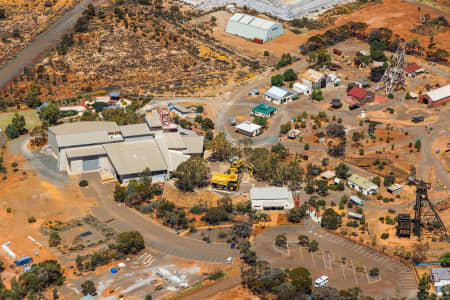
(321, 281)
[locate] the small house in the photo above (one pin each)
(114, 96)
(314, 79)
(395, 188)
(360, 94)
(180, 110)
(441, 278)
(412, 69)
(248, 128)
(279, 95)
(356, 200)
(362, 83)
(263, 110)
(362, 185)
(328, 175)
(301, 88)
(271, 198)
(436, 97)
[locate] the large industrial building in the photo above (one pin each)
(253, 28)
(271, 198)
(121, 152)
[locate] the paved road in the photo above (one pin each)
(396, 279)
(156, 237)
(43, 42)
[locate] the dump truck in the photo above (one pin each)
(225, 181)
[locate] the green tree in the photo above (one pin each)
(342, 171)
(377, 50)
(303, 240)
(88, 288)
(50, 114)
(54, 239)
(207, 124)
(388, 180)
(284, 128)
(376, 180)
(191, 174)
(277, 80)
(222, 148)
(261, 121)
(289, 75)
(313, 246)
(418, 145)
(317, 95)
(130, 242)
(301, 279)
(445, 260)
(331, 219)
(19, 122)
(281, 241)
(120, 193)
(320, 57)
(296, 214)
(424, 286)
(12, 132)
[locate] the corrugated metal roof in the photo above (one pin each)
(134, 130)
(153, 119)
(357, 92)
(174, 140)
(440, 93)
(361, 181)
(85, 126)
(193, 143)
(313, 75)
(251, 27)
(248, 126)
(264, 108)
(270, 193)
(133, 157)
(440, 274)
(278, 92)
(85, 138)
(85, 151)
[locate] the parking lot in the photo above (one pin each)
(347, 264)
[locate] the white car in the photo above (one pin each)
(321, 281)
(229, 260)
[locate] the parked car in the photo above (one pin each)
(229, 260)
(321, 281)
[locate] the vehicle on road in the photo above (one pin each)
(229, 260)
(321, 281)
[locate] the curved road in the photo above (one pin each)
(43, 42)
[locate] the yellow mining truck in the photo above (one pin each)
(225, 181)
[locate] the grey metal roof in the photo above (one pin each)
(174, 140)
(440, 274)
(133, 157)
(153, 119)
(85, 126)
(182, 109)
(134, 130)
(85, 138)
(279, 93)
(85, 151)
(175, 158)
(270, 193)
(194, 144)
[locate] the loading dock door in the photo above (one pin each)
(91, 163)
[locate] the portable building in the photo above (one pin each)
(356, 200)
(249, 128)
(362, 185)
(301, 88)
(23, 261)
(253, 28)
(353, 215)
(395, 188)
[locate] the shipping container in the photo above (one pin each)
(23, 261)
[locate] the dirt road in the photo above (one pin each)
(208, 291)
(44, 41)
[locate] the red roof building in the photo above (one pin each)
(358, 93)
(351, 102)
(380, 99)
(413, 68)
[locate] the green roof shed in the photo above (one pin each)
(263, 110)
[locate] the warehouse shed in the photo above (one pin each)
(253, 28)
(271, 198)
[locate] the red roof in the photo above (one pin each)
(358, 92)
(412, 67)
(380, 99)
(351, 101)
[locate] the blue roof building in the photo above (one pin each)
(114, 95)
(45, 104)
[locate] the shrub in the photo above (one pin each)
(313, 246)
(196, 210)
(281, 241)
(54, 239)
(216, 275)
(31, 220)
(384, 235)
(9, 210)
(374, 271)
(83, 183)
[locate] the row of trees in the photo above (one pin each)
(288, 75)
(16, 127)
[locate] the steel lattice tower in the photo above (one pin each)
(394, 77)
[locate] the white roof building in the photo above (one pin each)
(250, 27)
(441, 278)
(301, 88)
(280, 95)
(249, 128)
(440, 93)
(271, 198)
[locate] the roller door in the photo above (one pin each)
(91, 163)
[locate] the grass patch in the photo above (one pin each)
(31, 119)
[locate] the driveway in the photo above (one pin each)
(156, 237)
